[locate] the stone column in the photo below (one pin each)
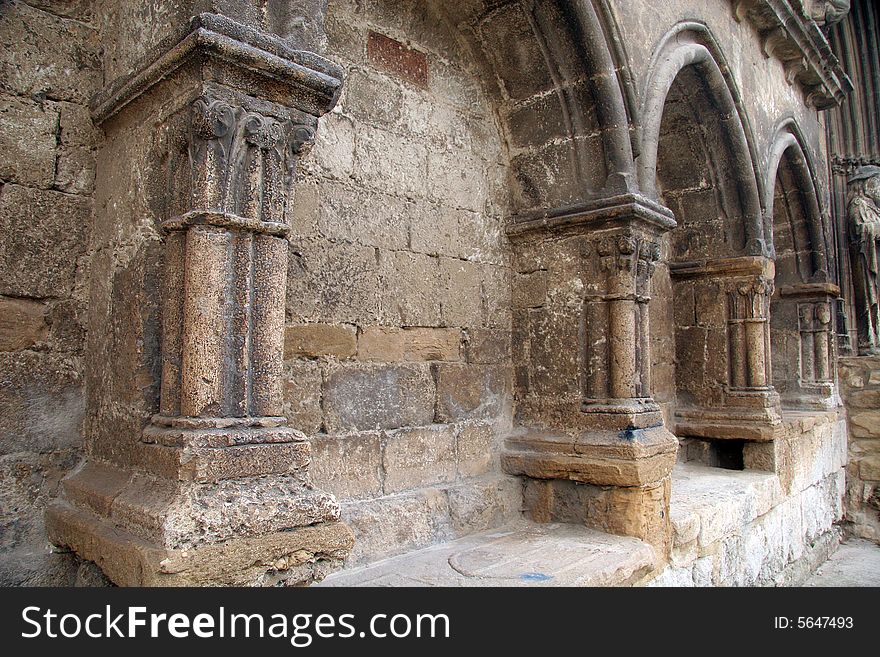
(225, 280)
(215, 488)
(806, 311)
(583, 359)
(627, 262)
(731, 396)
(749, 334)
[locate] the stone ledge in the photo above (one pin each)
(744, 529)
(612, 212)
(628, 458)
(180, 515)
(309, 75)
(412, 520)
(760, 425)
(290, 557)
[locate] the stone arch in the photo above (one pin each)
(802, 303)
(690, 49)
(790, 167)
(564, 96)
(697, 157)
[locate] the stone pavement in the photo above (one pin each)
(525, 554)
(856, 563)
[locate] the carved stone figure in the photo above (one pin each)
(863, 211)
(829, 12)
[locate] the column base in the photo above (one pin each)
(819, 396)
(639, 511)
(631, 457)
(747, 415)
(143, 530)
(615, 481)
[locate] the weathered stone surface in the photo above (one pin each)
(330, 282)
(864, 399)
(392, 344)
(869, 468)
(434, 230)
(22, 324)
(639, 511)
(408, 282)
(334, 146)
(459, 178)
(487, 346)
(461, 299)
(48, 56)
(402, 168)
(530, 290)
(865, 424)
(43, 402)
(303, 389)
(290, 557)
(28, 482)
(44, 235)
(75, 170)
(316, 340)
(353, 214)
(466, 391)
(392, 525)
(860, 390)
(348, 466)
(532, 555)
(378, 397)
(416, 458)
(486, 502)
(476, 449)
(28, 141)
(81, 10)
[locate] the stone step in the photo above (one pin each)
(400, 523)
(740, 528)
(520, 554)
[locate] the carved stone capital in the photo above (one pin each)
(238, 162)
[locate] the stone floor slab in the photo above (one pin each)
(856, 563)
(525, 554)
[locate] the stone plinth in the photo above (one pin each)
(582, 359)
(215, 488)
(731, 395)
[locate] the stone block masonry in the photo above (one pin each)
(291, 283)
(760, 529)
(49, 67)
(860, 390)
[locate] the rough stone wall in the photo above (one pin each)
(860, 390)
(398, 335)
(49, 67)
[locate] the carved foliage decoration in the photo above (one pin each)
(241, 162)
(750, 300)
(628, 261)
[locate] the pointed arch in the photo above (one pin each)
(787, 149)
(690, 45)
(555, 64)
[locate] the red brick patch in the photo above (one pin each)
(398, 58)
